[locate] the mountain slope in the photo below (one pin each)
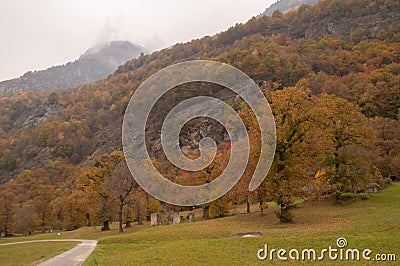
(95, 64)
(335, 18)
(286, 5)
(57, 150)
(353, 60)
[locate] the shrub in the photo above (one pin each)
(363, 196)
(347, 196)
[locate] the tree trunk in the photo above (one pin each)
(43, 215)
(285, 215)
(106, 226)
(89, 223)
(206, 209)
(128, 220)
(338, 197)
(261, 207)
(247, 204)
(139, 218)
(6, 224)
(353, 185)
(128, 223)
(121, 206)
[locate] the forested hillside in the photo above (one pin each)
(331, 73)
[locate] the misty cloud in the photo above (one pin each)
(43, 33)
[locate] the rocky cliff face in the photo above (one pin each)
(40, 115)
(196, 129)
(342, 27)
(301, 25)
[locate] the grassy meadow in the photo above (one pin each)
(32, 253)
(372, 223)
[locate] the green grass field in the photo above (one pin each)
(32, 253)
(372, 223)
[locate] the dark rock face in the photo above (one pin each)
(35, 116)
(194, 130)
(301, 26)
(40, 115)
(342, 27)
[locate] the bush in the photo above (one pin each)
(347, 196)
(219, 208)
(284, 217)
(363, 196)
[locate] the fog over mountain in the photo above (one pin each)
(286, 5)
(96, 63)
(36, 35)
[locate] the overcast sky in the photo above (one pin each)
(36, 34)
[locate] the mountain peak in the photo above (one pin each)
(286, 5)
(111, 47)
(95, 64)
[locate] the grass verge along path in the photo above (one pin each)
(32, 253)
